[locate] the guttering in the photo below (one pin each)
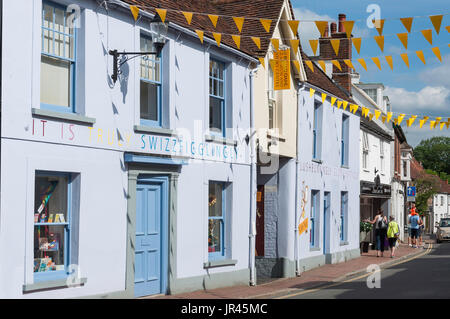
(252, 233)
(189, 32)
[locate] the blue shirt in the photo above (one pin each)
(414, 221)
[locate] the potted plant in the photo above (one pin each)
(365, 228)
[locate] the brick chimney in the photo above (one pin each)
(343, 78)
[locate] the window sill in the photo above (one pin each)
(366, 170)
(220, 140)
(343, 243)
(279, 137)
(314, 249)
(345, 166)
(219, 263)
(55, 284)
(318, 161)
(154, 130)
(71, 117)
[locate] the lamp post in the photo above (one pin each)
(159, 31)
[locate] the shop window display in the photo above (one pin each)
(216, 219)
(51, 223)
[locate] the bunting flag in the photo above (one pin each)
(295, 44)
(370, 117)
(217, 37)
(200, 35)
(311, 92)
(349, 63)
(275, 43)
(411, 120)
(405, 59)
(324, 97)
(162, 13)
(344, 105)
(407, 23)
(314, 44)
(400, 118)
(428, 34)
(335, 44)
(363, 63)
(377, 114)
(380, 41)
(348, 27)
(432, 124)
(339, 103)
(421, 56)
(383, 118)
(389, 116)
(422, 122)
(322, 65)
(448, 28)
(442, 125)
(337, 64)
(437, 52)
(293, 24)
(310, 64)
(239, 21)
(322, 26)
(257, 41)
(438, 120)
(353, 108)
(390, 62)
(357, 44)
(237, 40)
(297, 65)
(364, 111)
(266, 24)
(447, 123)
(188, 17)
(333, 100)
(403, 37)
(377, 62)
(263, 62)
(213, 19)
(436, 21)
(379, 25)
(134, 12)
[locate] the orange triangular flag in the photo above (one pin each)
(310, 65)
(377, 114)
(411, 120)
(383, 118)
(293, 24)
(322, 65)
(213, 19)
(436, 21)
(257, 42)
(333, 100)
(311, 92)
(162, 13)
(357, 44)
(377, 62)
(297, 65)
(239, 21)
(266, 24)
(324, 97)
(437, 52)
(404, 39)
(421, 56)
(442, 125)
(389, 61)
(363, 63)
(380, 41)
(428, 34)
(405, 59)
(134, 12)
(314, 44)
(337, 64)
(448, 28)
(349, 64)
(188, 16)
(370, 117)
(322, 27)
(263, 62)
(344, 105)
(432, 124)
(389, 115)
(335, 44)
(275, 43)
(339, 103)
(200, 35)
(400, 118)
(348, 27)
(379, 25)
(295, 44)
(237, 40)
(407, 23)
(217, 37)
(364, 111)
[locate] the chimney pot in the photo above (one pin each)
(342, 18)
(327, 32)
(333, 28)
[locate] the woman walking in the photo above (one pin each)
(392, 233)
(381, 226)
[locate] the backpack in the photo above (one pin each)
(382, 223)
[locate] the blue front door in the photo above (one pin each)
(151, 218)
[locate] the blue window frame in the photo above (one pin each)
(150, 85)
(344, 140)
(317, 131)
(216, 220)
(58, 59)
(315, 200)
(344, 212)
(52, 225)
(217, 97)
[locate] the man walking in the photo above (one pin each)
(414, 220)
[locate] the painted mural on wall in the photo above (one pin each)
(303, 220)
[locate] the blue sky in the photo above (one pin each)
(421, 89)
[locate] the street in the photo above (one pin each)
(423, 276)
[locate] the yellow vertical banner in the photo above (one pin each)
(335, 43)
(405, 59)
(314, 44)
(213, 19)
(379, 39)
(266, 24)
(357, 44)
(135, 12)
(436, 21)
(428, 35)
(421, 56)
(437, 52)
(407, 23)
(188, 17)
(239, 21)
(390, 62)
(282, 70)
(403, 37)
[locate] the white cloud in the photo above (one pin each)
(438, 75)
(415, 134)
(428, 99)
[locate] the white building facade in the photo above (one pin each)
(138, 187)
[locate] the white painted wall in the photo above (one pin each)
(440, 211)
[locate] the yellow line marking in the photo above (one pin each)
(356, 278)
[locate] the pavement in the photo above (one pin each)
(311, 279)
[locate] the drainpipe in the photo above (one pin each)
(297, 204)
(252, 225)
